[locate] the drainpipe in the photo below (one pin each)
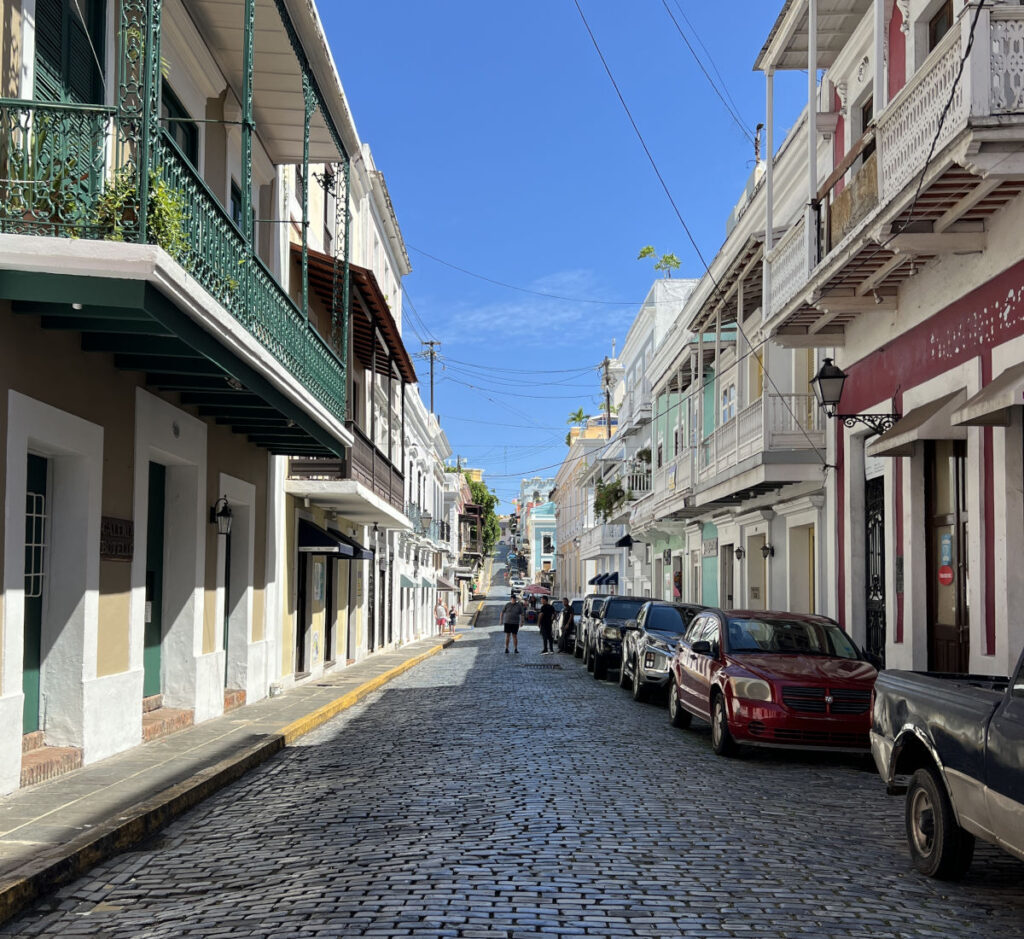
(769, 191)
(811, 225)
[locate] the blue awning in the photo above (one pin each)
(612, 578)
(314, 540)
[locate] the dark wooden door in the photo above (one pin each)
(946, 555)
(35, 579)
(153, 636)
(301, 611)
(227, 600)
(874, 565)
(330, 614)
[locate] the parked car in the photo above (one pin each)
(565, 633)
(959, 739)
(516, 583)
(772, 679)
(604, 637)
(592, 604)
(648, 644)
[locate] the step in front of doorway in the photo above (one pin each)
(42, 763)
(163, 721)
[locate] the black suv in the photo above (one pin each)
(592, 604)
(650, 642)
(604, 635)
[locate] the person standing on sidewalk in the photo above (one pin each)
(546, 619)
(440, 616)
(453, 615)
(512, 614)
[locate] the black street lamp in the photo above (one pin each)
(828, 389)
(220, 515)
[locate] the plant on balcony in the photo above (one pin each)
(644, 455)
(608, 497)
(37, 185)
(118, 210)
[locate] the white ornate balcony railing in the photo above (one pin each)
(908, 126)
(787, 265)
(908, 132)
(772, 422)
(637, 484)
(602, 536)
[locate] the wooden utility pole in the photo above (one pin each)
(607, 400)
(431, 354)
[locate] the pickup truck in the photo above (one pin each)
(955, 745)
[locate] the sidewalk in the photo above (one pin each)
(53, 831)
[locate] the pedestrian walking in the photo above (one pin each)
(512, 614)
(563, 633)
(453, 614)
(546, 618)
(440, 616)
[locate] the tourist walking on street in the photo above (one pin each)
(453, 615)
(563, 633)
(512, 614)
(546, 618)
(440, 616)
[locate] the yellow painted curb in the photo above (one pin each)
(298, 728)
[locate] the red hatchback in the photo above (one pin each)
(772, 679)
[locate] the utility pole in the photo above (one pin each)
(431, 354)
(607, 400)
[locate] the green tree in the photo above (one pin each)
(487, 500)
(577, 417)
(667, 262)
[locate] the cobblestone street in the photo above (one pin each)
(492, 795)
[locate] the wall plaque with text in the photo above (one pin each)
(117, 539)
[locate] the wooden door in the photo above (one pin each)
(874, 564)
(946, 555)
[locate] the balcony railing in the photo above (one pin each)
(772, 422)
(363, 464)
(59, 177)
(637, 484)
(600, 538)
(908, 134)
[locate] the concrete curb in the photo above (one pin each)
(57, 866)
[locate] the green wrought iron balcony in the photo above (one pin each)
(58, 179)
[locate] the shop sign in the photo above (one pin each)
(710, 548)
(117, 539)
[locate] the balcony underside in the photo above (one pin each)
(350, 499)
(145, 331)
(862, 274)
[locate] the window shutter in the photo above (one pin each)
(82, 77)
(49, 49)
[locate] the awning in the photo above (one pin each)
(426, 583)
(931, 421)
(626, 541)
(314, 540)
(443, 584)
(594, 581)
(990, 407)
(612, 578)
(407, 581)
(359, 553)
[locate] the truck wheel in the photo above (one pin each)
(638, 689)
(677, 714)
(588, 658)
(623, 675)
(939, 847)
(721, 740)
(577, 649)
(600, 666)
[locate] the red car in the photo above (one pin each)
(772, 679)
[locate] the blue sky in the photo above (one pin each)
(508, 154)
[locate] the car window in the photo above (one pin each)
(696, 628)
(623, 609)
(1017, 686)
(598, 605)
(577, 606)
(669, 619)
(710, 631)
(793, 637)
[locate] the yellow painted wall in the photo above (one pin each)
(10, 48)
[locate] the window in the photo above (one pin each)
(940, 24)
(236, 204)
(660, 455)
(179, 124)
(728, 403)
(547, 545)
(867, 115)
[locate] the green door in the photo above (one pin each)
(154, 581)
(35, 545)
(227, 601)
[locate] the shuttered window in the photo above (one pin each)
(69, 50)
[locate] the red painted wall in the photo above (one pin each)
(897, 53)
(965, 330)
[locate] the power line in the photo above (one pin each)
(525, 371)
(679, 215)
(730, 110)
(502, 391)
